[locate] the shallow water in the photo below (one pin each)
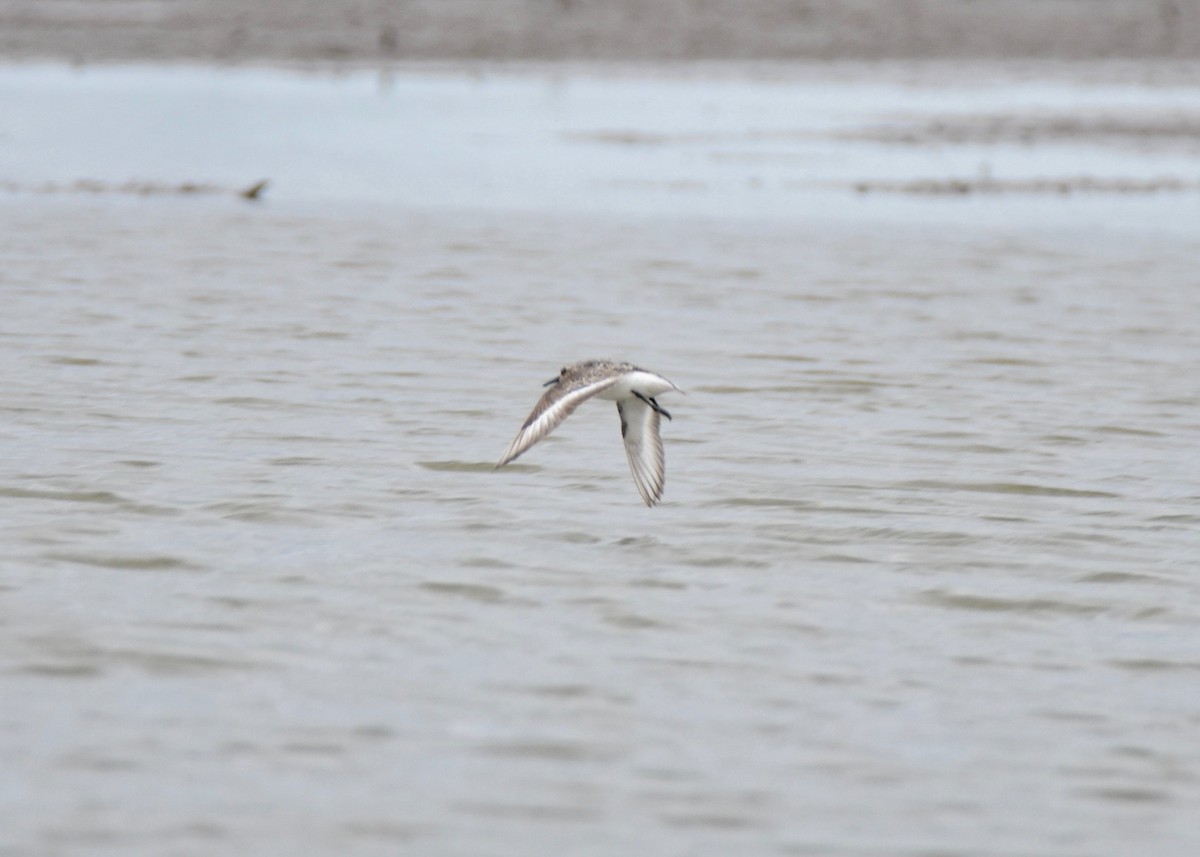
(923, 581)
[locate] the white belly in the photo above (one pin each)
(646, 383)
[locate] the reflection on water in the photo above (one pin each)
(798, 142)
(927, 543)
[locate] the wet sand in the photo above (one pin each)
(655, 30)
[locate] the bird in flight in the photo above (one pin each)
(633, 389)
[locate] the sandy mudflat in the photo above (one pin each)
(357, 30)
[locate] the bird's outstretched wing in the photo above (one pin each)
(643, 445)
(559, 402)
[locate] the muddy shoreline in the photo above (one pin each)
(620, 30)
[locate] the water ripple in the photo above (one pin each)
(1004, 488)
(961, 601)
(65, 496)
(147, 562)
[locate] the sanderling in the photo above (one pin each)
(633, 390)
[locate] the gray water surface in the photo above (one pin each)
(924, 580)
